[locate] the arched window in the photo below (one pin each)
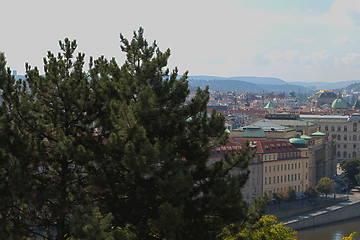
(344, 154)
(355, 126)
(345, 137)
(345, 128)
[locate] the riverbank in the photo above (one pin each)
(330, 214)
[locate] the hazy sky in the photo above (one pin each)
(295, 40)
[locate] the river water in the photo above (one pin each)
(334, 231)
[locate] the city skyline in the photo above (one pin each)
(291, 40)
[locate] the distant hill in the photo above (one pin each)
(256, 80)
(224, 85)
(242, 84)
(326, 85)
(267, 84)
(260, 84)
(355, 86)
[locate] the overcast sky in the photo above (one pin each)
(295, 40)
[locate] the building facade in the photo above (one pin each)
(343, 130)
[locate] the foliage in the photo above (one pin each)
(311, 192)
(325, 186)
(48, 143)
(267, 227)
(350, 237)
(351, 170)
(125, 141)
(286, 195)
(88, 223)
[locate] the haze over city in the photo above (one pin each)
(291, 40)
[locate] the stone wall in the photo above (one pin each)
(342, 211)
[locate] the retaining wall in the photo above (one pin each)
(342, 211)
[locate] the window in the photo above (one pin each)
(288, 177)
(344, 154)
(298, 176)
(345, 128)
(326, 128)
(289, 166)
(295, 177)
(265, 169)
(292, 166)
(306, 175)
(354, 138)
(285, 178)
(274, 179)
(277, 179)
(355, 127)
(354, 154)
(281, 167)
(339, 128)
(269, 157)
(354, 146)
(338, 154)
(278, 168)
(345, 146)
(265, 180)
(339, 138)
(285, 167)
(306, 164)
(292, 177)
(299, 165)
(266, 156)
(333, 128)
(345, 137)
(281, 178)
(274, 169)
(295, 165)
(269, 180)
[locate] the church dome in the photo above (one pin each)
(318, 134)
(298, 142)
(270, 105)
(339, 103)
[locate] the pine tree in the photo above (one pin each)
(124, 140)
(49, 145)
(156, 176)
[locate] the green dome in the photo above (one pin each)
(270, 105)
(306, 137)
(254, 132)
(318, 134)
(298, 142)
(339, 104)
